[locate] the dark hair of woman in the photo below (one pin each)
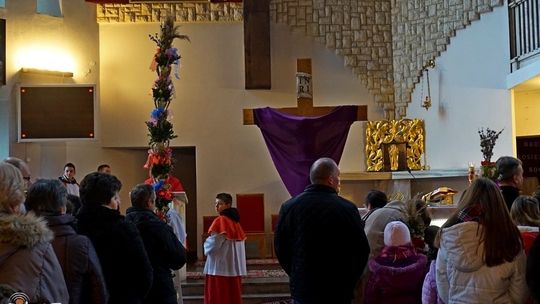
(376, 199)
(501, 237)
(98, 188)
(46, 197)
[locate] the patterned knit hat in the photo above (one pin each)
(396, 234)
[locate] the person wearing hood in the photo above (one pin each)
(76, 254)
(27, 260)
(480, 258)
(225, 255)
(164, 250)
(397, 273)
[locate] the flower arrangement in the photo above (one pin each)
(488, 138)
(160, 127)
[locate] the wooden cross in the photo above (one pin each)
(305, 104)
(257, 58)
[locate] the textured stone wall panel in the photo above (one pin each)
(359, 31)
(386, 43)
(422, 31)
(184, 12)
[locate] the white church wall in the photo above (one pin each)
(468, 91)
(209, 100)
(230, 157)
(40, 41)
(76, 35)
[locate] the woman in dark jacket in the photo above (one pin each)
(119, 246)
(76, 254)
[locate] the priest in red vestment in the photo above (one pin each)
(225, 255)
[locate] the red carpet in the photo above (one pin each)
(262, 273)
(250, 262)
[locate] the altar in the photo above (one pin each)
(438, 214)
(405, 185)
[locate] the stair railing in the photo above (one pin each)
(524, 26)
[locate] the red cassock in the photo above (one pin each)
(223, 280)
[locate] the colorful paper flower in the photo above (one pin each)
(160, 128)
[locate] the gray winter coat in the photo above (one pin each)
(376, 222)
(27, 260)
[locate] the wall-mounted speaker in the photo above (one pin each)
(56, 112)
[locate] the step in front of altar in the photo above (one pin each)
(266, 282)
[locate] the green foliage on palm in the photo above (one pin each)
(162, 131)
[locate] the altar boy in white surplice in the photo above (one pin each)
(225, 255)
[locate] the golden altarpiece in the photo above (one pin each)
(395, 160)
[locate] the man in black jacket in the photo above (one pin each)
(320, 241)
(163, 247)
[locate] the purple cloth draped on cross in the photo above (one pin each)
(295, 142)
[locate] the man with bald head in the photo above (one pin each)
(320, 240)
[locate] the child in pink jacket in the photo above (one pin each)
(398, 272)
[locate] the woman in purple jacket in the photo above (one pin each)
(398, 272)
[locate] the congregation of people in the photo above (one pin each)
(66, 242)
(487, 251)
(74, 248)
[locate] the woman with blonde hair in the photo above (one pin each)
(28, 263)
(480, 258)
(526, 215)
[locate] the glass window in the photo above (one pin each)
(50, 7)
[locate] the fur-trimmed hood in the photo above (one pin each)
(24, 230)
(27, 258)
